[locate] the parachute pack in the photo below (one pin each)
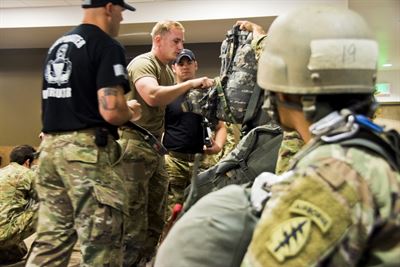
(236, 97)
(217, 230)
(257, 152)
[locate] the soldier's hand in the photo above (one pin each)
(203, 83)
(250, 27)
(136, 109)
(214, 149)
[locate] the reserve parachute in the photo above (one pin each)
(236, 97)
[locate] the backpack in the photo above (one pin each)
(238, 76)
(217, 230)
(236, 97)
(256, 152)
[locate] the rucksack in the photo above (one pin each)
(217, 230)
(238, 75)
(236, 97)
(256, 152)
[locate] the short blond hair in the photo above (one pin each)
(165, 26)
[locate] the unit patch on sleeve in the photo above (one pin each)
(289, 237)
(318, 216)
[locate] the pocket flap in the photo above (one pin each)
(110, 197)
(74, 152)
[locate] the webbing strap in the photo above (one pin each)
(222, 98)
(361, 142)
(252, 105)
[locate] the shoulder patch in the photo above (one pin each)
(287, 233)
(317, 215)
(289, 237)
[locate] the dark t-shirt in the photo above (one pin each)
(183, 130)
(77, 65)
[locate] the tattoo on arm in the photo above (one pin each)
(106, 102)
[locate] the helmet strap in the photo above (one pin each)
(308, 103)
(270, 106)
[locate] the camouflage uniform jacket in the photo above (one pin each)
(18, 203)
(339, 206)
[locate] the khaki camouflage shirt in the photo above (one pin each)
(291, 144)
(17, 199)
(339, 206)
(258, 45)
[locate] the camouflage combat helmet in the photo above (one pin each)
(319, 50)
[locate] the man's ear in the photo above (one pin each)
(157, 39)
(27, 163)
(109, 8)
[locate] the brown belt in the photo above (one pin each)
(153, 141)
(182, 156)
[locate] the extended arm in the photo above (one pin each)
(157, 95)
(259, 35)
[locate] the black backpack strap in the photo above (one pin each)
(233, 43)
(376, 144)
(252, 105)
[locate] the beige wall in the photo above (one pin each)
(4, 155)
(20, 81)
(389, 111)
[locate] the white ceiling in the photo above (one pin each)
(37, 3)
(37, 23)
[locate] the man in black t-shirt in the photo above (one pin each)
(184, 134)
(81, 193)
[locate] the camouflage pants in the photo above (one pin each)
(13, 248)
(146, 182)
(180, 173)
(13, 253)
(81, 198)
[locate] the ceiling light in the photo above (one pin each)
(387, 65)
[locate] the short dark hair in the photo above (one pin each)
(22, 153)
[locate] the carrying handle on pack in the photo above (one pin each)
(233, 35)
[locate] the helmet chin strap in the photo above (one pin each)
(270, 107)
(308, 106)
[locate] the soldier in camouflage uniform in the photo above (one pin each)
(184, 135)
(339, 204)
(18, 204)
(291, 144)
(153, 85)
(81, 192)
